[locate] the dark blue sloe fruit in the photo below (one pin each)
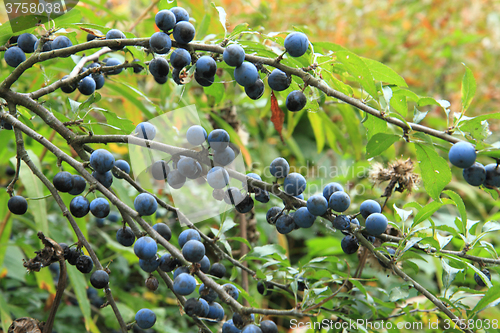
(145, 130)
(79, 206)
(183, 32)
(160, 170)
(342, 222)
(149, 265)
(475, 175)
(331, 188)
(47, 46)
(100, 208)
(145, 318)
(61, 42)
(137, 67)
(161, 79)
(92, 36)
(125, 236)
(17, 205)
(268, 326)
(102, 160)
(160, 43)
(87, 86)
(193, 251)
(208, 294)
(14, 56)
(203, 81)
(217, 177)
(238, 319)
(376, 224)
(180, 270)
(180, 14)
(180, 58)
(272, 214)
(231, 290)
(145, 248)
(264, 288)
(251, 328)
(196, 135)
(303, 218)
(224, 157)
(99, 279)
(279, 80)
(79, 185)
(256, 90)
(165, 20)
(68, 88)
(163, 230)
(168, 263)
(462, 154)
(317, 205)
(228, 327)
(295, 101)
(369, 207)
(106, 179)
(296, 44)
(218, 270)
(145, 204)
(234, 55)
(262, 196)
(175, 179)
(115, 34)
(294, 184)
(215, 311)
(184, 284)
(206, 66)
(84, 264)
(218, 139)
(492, 175)
(279, 167)
(99, 80)
(204, 264)
(158, 67)
(285, 224)
(27, 42)
(479, 280)
(339, 201)
(123, 166)
(245, 205)
(63, 181)
(246, 74)
(188, 235)
(192, 307)
(113, 62)
(189, 167)
(349, 244)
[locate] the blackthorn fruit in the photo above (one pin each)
(145, 248)
(145, 318)
(303, 218)
(160, 43)
(115, 34)
(368, 207)
(102, 160)
(294, 184)
(295, 101)
(79, 206)
(376, 224)
(100, 207)
(27, 42)
(234, 55)
(184, 284)
(462, 154)
(165, 20)
(14, 56)
(125, 236)
(279, 167)
(475, 175)
(279, 80)
(99, 279)
(339, 201)
(63, 181)
(256, 90)
(296, 44)
(317, 205)
(17, 205)
(193, 250)
(145, 204)
(246, 74)
(183, 32)
(79, 185)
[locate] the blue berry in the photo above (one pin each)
(251, 328)
(99, 279)
(285, 224)
(205, 308)
(233, 196)
(189, 167)
(279, 167)
(14, 56)
(246, 74)
(368, 207)
(175, 179)
(231, 290)
(180, 14)
(79, 185)
(168, 263)
(102, 160)
(317, 205)
(256, 90)
(206, 66)
(294, 184)
(145, 248)
(160, 170)
(63, 181)
(106, 179)
(47, 46)
(339, 201)
(84, 264)
(123, 166)
(193, 250)
(79, 206)
(158, 67)
(268, 326)
(113, 62)
(68, 88)
(234, 55)
(205, 264)
(331, 188)
(295, 101)
(272, 214)
(192, 307)
(341, 222)
(479, 280)
(462, 154)
(100, 207)
(262, 195)
(181, 270)
(217, 177)
(184, 284)
(93, 36)
(206, 293)
(376, 224)
(149, 265)
(125, 236)
(87, 86)
(165, 20)
(145, 204)
(303, 218)
(203, 81)
(229, 327)
(99, 80)
(492, 175)
(61, 42)
(475, 175)
(218, 270)
(218, 139)
(349, 244)
(27, 42)
(180, 58)
(245, 205)
(187, 235)
(183, 32)
(115, 34)
(145, 318)
(160, 43)
(215, 311)
(163, 230)
(279, 80)
(224, 157)
(196, 135)
(296, 44)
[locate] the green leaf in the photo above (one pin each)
(222, 16)
(319, 133)
(5, 316)
(449, 273)
(418, 116)
(123, 124)
(238, 29)
(34, 188)
(426, 212)
(355, 66)
(379, 143)
(460, 206)
(241, 240)
(403, 214)
(383, 73)
(374, 125)
(436, 173)
(424, 101)
(399, 103)
(216, 90)
(468, 88)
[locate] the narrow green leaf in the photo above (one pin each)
(241, 240)
(426, 212)
(468, 88)
(436, 173)
(379, 143)
(460, 206)
(359, 70)
(4, 314)
(317, 125)
(222, 16)
(374, 125)
(449, 273)
(383, 73)
(399, 103)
